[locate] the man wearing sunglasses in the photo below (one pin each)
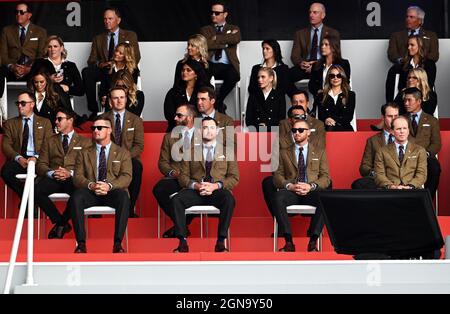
(128, 132)
(223, 39)
(56, 166)
(22, 43)
(302, 172)
(23, 140)
(103, 173)
(173, 148)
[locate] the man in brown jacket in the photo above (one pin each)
(206, 180)
(102, 52)
(102, 175)
(306, 47)
(23, 141)
(174, 145)
(56, 166)
(302, 172)
(389, 112)
(398, 44)
(425, 131)
(128, 132)
(401, 165)
(223, 40)
(21, 44)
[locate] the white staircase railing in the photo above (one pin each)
(27, 198)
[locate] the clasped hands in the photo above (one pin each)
(206, 188)
(62, 174)
(300, 188)
(100, 188)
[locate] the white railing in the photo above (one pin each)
(28, 197)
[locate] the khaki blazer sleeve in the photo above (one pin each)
(11, 135)
(123, 180)
(367, 165)
(79, 179)
(138, 141)
(43, 163)
(164, 163)
(232, 177)
(420, 176)
(381, 179)
(323, 181)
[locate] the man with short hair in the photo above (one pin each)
(21, 44)
(306, 49)
(173, 149)
(389, 112)
(102, 52)
(23, 140)
(223, 39)
(401, 165)
(206, 180)
(425, 131)
(56, 166)
(128, 132)
(302, 172)
(103, 173)
(398, 44)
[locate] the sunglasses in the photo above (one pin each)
(299, 130)
(333, 76)
(21, 12)
(216, 13)
(299, 117)
(99, 128)
(23, 103)
(59, 119)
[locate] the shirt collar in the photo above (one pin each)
(99, 147)
(122, 114)
(319, 28)
(31, 118)
(212, 115)
(397, 145)
(419, 114)
(26, 27)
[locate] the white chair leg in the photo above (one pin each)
(207, 226)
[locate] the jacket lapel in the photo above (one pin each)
(292, 156)
(93, 159)
(73, 142)
(104, 45)
(393, 153)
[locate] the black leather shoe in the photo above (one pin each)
(169, 233)
(118, 249)
(62, 230)
(289, 247)
(81, 249)
(220, 247)
(312, 246)
(182, 248)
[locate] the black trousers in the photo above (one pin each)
(366, 183)
(284, 199)
(230, 77)
(45, 187)
(84, 198)
(222, 199)
(434, 175)
(297, 74)
(9, 171)
(135, 185)
(91, 75)
(269, 191)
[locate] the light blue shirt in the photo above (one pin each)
(397, 145)
(122, 118)
(305, 155)
(99, 149)
(386, 137)
(319, 36)
(419, 114)
(212, 115)
(116, 39)
(30, 147)
(224, 58)
(205, 150)
(190, 133)
(26, 29)
(70, 135)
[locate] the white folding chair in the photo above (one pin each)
(206, 210)
(101, 210)
(4, 105)
(291, 210)
(55, 197)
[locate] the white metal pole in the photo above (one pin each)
(30, 242)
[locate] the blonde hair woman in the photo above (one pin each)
(266, 107)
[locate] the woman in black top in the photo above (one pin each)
(337, 102)
(272, 58)
(266, 107)
(192, 77)
(331, 55)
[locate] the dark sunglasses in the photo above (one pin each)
(99, 127)
(21, 12)
(216, 13)
(23, 103)
(59, 119)
(333, 76)
(299, 130)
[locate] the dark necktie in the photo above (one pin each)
(315, 45)
(401, 153)
(391, 139)
(414, 124)
(22, 35)
(218, 54)
(208, 165)
(118, 131)
(65, 144)
(112, 46)
(301, 167)
(102, 165)
(186, 142)
(25, 138)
